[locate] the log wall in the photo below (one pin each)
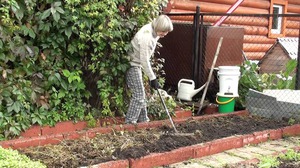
(256, 40)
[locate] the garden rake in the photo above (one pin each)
(171, 120)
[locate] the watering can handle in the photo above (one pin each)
(186, 80)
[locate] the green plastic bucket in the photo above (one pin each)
(226, 104)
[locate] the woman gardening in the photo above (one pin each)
(143, 46)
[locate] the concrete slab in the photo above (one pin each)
(256, 151)
(242, 154)
(192, 163)
(277, 146)
(294, 140)
(225, 158)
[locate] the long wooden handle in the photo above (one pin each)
(210, 74)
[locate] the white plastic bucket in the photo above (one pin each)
(229, 80)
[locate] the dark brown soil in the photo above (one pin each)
(122, 145)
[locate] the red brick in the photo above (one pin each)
(183, 114)
(201, 150)
(255, 138)
(261, 136)
(224, 144)
(81, 125)
(63, 127)
(129, 127)
(33, 131)
(275, 134)
(91, 133)
(74, 135)
(154, 124)
(291, 130)
(160, 159)
(248, 139)
(34, 141)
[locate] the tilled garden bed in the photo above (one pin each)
(130, 146)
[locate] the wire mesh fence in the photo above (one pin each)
(271, 51)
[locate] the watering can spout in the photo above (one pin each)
(198, 90)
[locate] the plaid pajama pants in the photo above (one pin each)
(137, 110)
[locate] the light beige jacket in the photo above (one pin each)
(143, 46)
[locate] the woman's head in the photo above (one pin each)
(162, 25)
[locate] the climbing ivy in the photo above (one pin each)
(64, 60)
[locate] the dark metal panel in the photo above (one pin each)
(177, 50)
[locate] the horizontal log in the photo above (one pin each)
(249, 30)
(232, 20)
(240, 20)
(258, 39)
(254, 30)
(292, 32)
(263, 4)
(248, 47)
(254, 55)
(293, 8)
(294, 18)
(292, 24)
(174, 10)
(246, 20)
(216, 8)
(295, 2)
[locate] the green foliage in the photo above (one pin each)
(250, 78)
(290, 155)
(91, 121)
(13, 159)
(51, 52)
(274, 161)
(156, 108)
(268, 162)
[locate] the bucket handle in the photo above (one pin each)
(226, 102)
